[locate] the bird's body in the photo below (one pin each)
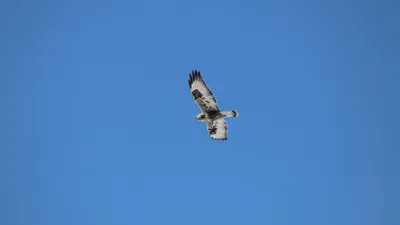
(211, 114)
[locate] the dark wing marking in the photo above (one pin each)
(202, 93)
(218, 129)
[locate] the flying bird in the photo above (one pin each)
(210, 113)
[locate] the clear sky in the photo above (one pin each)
(98, 123)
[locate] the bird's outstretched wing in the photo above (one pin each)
(218, 129)
(201, 93)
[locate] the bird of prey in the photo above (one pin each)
(210, 113)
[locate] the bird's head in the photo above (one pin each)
(200, 117)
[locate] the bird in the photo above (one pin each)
(210, 113)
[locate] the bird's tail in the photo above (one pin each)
(232, 113)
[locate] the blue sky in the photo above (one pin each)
(98, 124)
